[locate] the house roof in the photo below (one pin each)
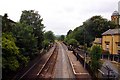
(111, 32)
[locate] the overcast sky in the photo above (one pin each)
(60, 15)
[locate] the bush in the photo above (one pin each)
(73, 42)
(11, 54)
(95, 54)
(46, 44)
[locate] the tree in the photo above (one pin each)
(6, 23)
(69, 32)
(96, 25)
(62, 37)
(11, 56)
(33, 19)
(46, 44)
(73, 42)
(95, 54)
(78, 34)
(25, 39)
(49, 35)
(91, 28)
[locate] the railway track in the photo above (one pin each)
(48, 68)
(33, 72)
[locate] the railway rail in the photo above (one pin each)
(48, 68)
(52, 65)
(34, 72)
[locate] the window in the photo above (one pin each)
(107, 47)
(118, 51)
(119, 48)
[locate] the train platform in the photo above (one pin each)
(78, 69)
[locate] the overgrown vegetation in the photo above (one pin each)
(22, 40)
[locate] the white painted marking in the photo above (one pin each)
(101, 71)
(45, 63)
(43, 66)
(82, 73)
(74, 69)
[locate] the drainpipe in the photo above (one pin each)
(112, 48)
(118, 42)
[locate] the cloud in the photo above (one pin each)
(60, 15)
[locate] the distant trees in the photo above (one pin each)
(62, 37)
(73, 42)
(49, 37)
(90, 29)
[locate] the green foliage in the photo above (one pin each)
(46, 44)
(80, 34)
(62, 37)
(25, 38)
(95, 54)
(73, 42)
(20, 40)
(7, 24)
(49, 36)
(33, 19)
(69, 32)
(10, 52)
(10, 63)
(8, 45)
(96, 25)
(90, 29)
